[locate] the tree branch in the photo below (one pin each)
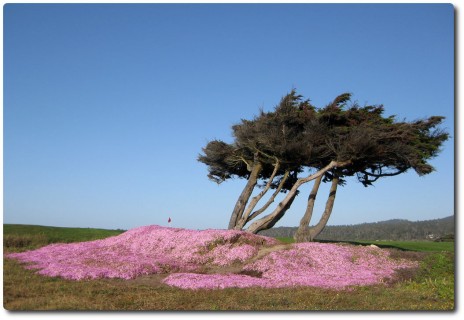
(389, 174)
(264, 222)
(271, 199)
(254, 201)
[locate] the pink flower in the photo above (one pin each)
(182, 252)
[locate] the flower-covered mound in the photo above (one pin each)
(305, 264)
(215, 259)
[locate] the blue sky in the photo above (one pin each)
(106, 107)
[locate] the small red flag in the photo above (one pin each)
(169, 220)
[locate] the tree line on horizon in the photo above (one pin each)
(298, 143)
(396, 229)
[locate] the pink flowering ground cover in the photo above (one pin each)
(184, 254)
(145, 250)
(305, 264)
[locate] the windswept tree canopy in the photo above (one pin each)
(339, 140)
(379, 146)
(225, 160)
(268, 138)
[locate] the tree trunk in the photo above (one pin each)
(254, 201)
(269, 223)
(271, 199)
(284, 204)
(245, 195)
(317, 229)
(303, 234)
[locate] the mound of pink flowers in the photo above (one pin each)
(184, 254)
(305, 264)
(144, 250)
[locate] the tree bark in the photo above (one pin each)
(269, 223)
(317, 229)
(284, 204)
(271, 199)
(254, 201)
(302, 234)
(245, 195)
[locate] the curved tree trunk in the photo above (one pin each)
(271, 222)
(271, 199)
(245, 195)
(254, 201)
(317, 229)
(302, 234)
(286, 202)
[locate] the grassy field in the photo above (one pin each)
(431, 287)
(22, 237)
(427, 246)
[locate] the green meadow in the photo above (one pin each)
(430, 287)
(427, 246)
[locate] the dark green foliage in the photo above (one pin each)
(225, 161)
(378, 146)
(296, 137)
(446, 238)
(300, 135)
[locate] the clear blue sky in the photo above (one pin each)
(106, 107)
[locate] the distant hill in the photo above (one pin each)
(396, 229)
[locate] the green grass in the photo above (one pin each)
(431, 287)
(19, 237)
(422, 246)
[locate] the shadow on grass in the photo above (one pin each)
(421, 246)
(357, 243)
